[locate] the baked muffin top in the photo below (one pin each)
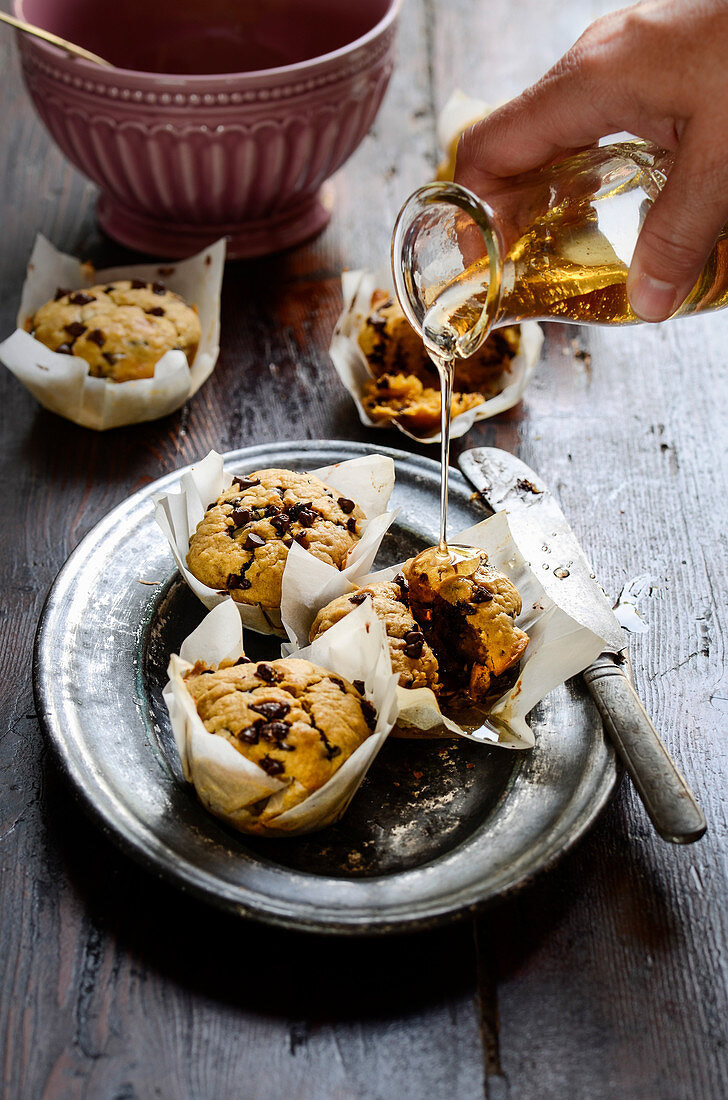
(295, 720)
(122, 328)
(412, 658)
(467, 614)
(241, 544)
(405, 385)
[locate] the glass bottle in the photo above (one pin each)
(549, 245)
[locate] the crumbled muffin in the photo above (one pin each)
(466, 611)
(405, 385)
(412, 658)
(296, 721)
(122, 329)
(241, 544)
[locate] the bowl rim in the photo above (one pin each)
(299, 68)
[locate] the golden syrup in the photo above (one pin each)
(561, 270)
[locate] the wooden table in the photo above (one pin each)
(607, 977)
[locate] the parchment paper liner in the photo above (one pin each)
(368, 480)
(353, 369)
(226, 782)
(559, 648)
(460, 112)
(62, 383)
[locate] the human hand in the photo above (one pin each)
(657, 70)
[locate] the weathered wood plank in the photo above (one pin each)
(610, 977)
(115, 985)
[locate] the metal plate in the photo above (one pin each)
(437, 828)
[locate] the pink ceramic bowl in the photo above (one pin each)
(197, 152)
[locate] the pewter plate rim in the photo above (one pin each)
(394, 902)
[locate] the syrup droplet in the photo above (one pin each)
(561, 572)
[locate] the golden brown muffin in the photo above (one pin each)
(295, 720)
(467, 612)
(122, 329)
(412, 658)
(406, 386)
(241, 544)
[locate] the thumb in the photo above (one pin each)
(678, 233)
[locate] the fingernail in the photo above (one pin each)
(652, 299)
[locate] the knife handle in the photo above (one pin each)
(664, 793)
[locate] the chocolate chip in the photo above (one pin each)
(246, 482)
(109, 357)
(250, 735)
(402, 583)
(97, 336)
(358, 597)
(307, 517)
(159, 288)
(271, 711)
(61, 292)
(253, 542)
(288, 542)
(413, 636)
(156, 312)
(413, 650)
(81, 298)
(75, 329)
(271, 766)
(237, 580)
(370, 714)
(267, 673)
(139, 284)
(244, 661)
(330, 750)
(274, 732)
(302, 540)
(346, 505)
(351, 525)
(481, 594)
(339, 683)
(241, 516)
(271, 510)
(110, 287)
(281, 523)
(64, 349)
(359, 685)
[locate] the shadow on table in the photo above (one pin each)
(240, 962)
(282, 973)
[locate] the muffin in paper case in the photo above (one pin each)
(353, 370)
(62, 383)
(368, 480)
(228, 784)
(559, 647)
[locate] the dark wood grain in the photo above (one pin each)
(606, 978)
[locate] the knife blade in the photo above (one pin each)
(546, 540)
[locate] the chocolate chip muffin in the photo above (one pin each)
(241, 544)
(466, 611)
(412, 658)
(296, 721)
(405, 385)
(122, 329)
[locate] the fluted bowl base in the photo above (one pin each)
(174, 240)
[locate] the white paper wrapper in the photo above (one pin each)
(459, 112)
(62, 383)
(559, 647)
(368, 480)
(353, 369)
(226, 783)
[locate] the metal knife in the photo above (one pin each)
(549, 544)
